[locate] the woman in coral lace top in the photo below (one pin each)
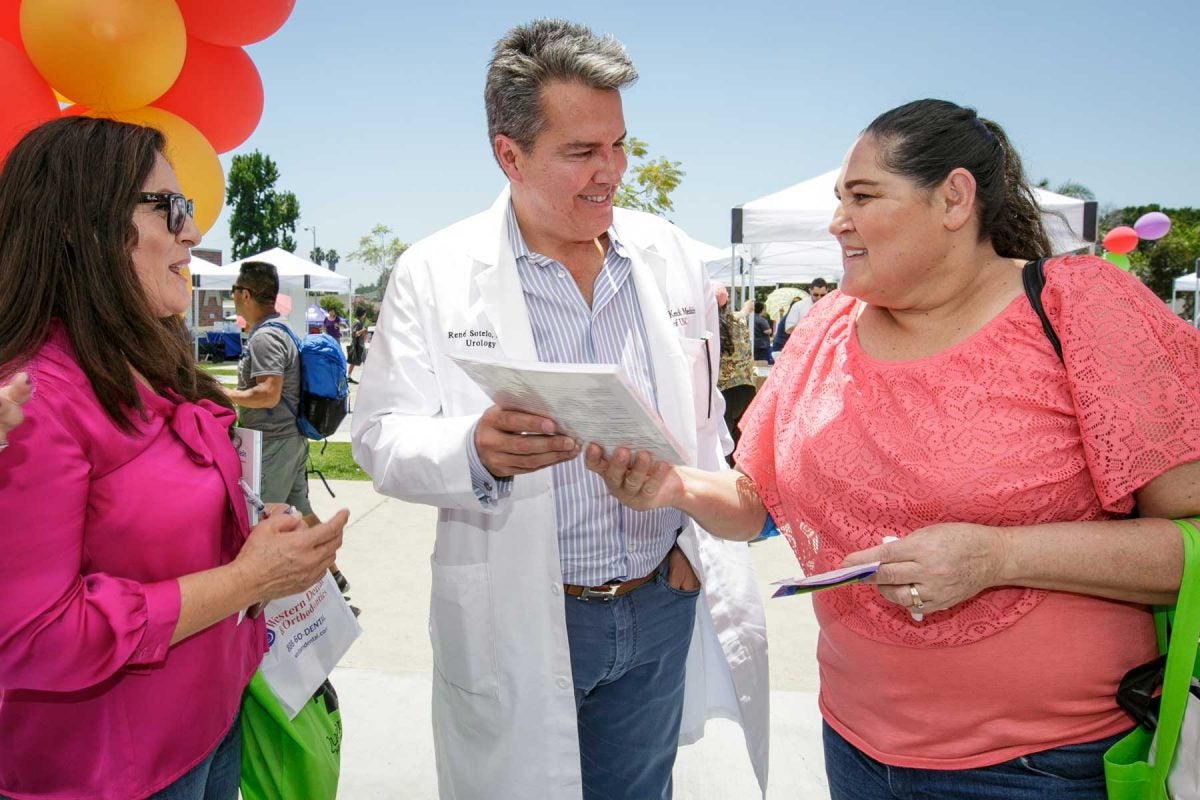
(924, 401)
(127, 553)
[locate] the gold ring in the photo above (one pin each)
(916, 598)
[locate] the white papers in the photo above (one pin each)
(590, 402)
(826, 580)
(248, 444)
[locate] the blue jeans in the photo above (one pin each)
(627, 661)
(1073, 772)
(216, 777)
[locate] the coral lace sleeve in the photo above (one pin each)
(1134, 375)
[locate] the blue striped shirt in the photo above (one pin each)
(598, 538)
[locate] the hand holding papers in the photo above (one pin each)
(589, 402)
(826, 580)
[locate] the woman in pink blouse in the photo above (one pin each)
(127, 553)
(925, 402)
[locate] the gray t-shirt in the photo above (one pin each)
(271, 351)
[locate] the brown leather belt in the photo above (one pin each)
(608, 590)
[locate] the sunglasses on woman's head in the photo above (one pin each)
(178, 207)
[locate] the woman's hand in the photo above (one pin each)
(13, 395)
(637, 481)
(947, 563)
(283, 556)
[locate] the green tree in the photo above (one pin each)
(331, 301)
(379, 249)
(1157, 264)
(262, 217)
(1069, 188)
(649, 182)
(328, 258)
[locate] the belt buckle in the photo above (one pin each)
(606, 592)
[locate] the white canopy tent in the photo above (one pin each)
(1190, 284)
(784, 237)
(297, 277)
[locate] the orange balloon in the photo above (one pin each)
(110, 56)
(192, 157)
(219, 91)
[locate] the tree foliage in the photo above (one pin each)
(1069, 188)
(332, 301)
(1155, 263)
(263, 217)
(379, 249)
(648, 184)
(327, 258)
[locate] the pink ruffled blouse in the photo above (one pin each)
(846, 449)
(96, 526)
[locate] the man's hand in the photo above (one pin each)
(680, 575)
(515, 443)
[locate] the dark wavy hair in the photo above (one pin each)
(926, 139)
(68, 191)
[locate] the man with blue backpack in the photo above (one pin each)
(290, 391)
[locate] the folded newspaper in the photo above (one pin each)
(590, 402)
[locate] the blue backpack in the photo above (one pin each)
(324, 391)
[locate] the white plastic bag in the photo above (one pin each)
(307, 634)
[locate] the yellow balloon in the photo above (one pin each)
(195, 162)
(109, 56)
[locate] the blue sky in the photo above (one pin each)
(374, 109)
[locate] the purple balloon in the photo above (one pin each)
(1152, 225)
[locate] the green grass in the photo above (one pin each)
(217, 368)
(335, 463)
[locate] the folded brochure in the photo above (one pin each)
(826, 580)
(590, 402)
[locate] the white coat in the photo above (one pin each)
(503, 699)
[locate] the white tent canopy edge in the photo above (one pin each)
(297, 277)
(784, 237)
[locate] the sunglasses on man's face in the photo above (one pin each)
(178, 208)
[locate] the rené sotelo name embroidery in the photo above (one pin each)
(474, 338)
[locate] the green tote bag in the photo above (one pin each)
(1128, 770)
(290, 759)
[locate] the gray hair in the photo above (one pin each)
(545, 50)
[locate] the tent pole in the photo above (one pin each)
(1196, 298)
(195, 320)
(750, 296)
(733, 276)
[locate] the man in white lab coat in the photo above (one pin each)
(575, 643)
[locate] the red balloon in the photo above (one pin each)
(218, 91)
(26, 100)
(1120, 240)
(233, 23)
(10, 23)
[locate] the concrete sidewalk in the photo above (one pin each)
(385, 685)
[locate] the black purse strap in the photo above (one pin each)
(1033, 275)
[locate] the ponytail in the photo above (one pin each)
(926, 139)
(1015, 226)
